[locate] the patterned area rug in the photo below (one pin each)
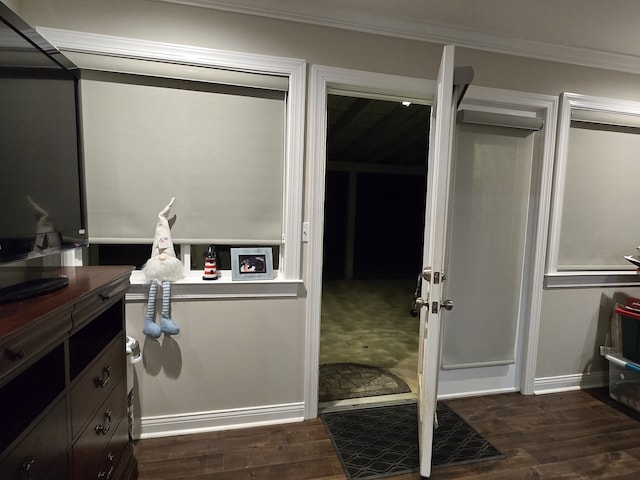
(381, 441)
(339, 381)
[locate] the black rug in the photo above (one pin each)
(381, 441)
(339, 381)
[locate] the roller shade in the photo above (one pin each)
(218, 149)
(605, 118)
(92, 65)
(600, 196)
(499, 120)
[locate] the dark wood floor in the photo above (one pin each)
(574, 435)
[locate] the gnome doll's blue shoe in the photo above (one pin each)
(151, 329)
(168, 326)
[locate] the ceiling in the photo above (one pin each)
(376, 132)
(587, 32)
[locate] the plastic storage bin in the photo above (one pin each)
(630, 330)
(624, 381)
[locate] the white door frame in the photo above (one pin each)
(323, 78)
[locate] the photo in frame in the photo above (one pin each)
(251, 263)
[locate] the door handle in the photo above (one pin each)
(418, 303)
(426, 274)
(447, 304)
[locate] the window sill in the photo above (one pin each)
(193, 287)
(592, 278)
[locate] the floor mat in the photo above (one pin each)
(339, 381)
(381, 441)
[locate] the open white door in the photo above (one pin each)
(432, 294)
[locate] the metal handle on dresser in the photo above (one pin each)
(104, 296)
(14, 354)
(104, 429)
(26, 467)
(101, 382)
(108, 473)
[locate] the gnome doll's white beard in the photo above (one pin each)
(161, 269)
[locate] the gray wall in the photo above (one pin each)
(231, 356)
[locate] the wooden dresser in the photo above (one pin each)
(63, 399)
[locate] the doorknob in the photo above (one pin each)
(426, 274)
(432, 277)
(418, 303)
(447, 304)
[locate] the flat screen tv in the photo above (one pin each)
(42, 201)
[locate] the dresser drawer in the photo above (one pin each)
(95, 384)
(102, 424)
(42, 451)
(23, 347)
(102, 463)
(97, 301)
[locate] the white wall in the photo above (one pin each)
(234, 361)
(249, 353)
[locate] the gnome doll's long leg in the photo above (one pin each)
(168, 325)
(150, 328)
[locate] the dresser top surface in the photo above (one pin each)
(83, 281)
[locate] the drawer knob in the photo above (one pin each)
(14, 354)
(26, 467)
(101, 382)
(107, 474)
(104, 429)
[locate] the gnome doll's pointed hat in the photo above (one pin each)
(162, 241)
(163, 265)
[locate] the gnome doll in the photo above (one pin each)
(162, 268)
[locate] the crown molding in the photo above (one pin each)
(420, 30)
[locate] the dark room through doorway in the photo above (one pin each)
(373, 233)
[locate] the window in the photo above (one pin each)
(221, 132)
(593, 225)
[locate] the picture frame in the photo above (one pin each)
(251, 264)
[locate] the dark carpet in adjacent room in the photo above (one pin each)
(339, 381)
(381, 441)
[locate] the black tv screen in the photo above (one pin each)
(42, 203)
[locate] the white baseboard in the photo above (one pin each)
(198, 422)
(566, 383)
(168, 425)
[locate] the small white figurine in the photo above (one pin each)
(162, 268)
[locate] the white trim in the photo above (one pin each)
(199, 422)
(546, 108)
(476, 393)
(582, 276)
(420, 30)
(592, 279)
(224, 287)
(566, 383)
(322, 79)
(294, 69)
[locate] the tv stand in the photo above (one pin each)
(32, 288)
(63, 386)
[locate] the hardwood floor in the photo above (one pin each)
(573, 435)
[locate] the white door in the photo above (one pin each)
(432, 293)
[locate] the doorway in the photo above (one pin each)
(372, 242)
(326, 80)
